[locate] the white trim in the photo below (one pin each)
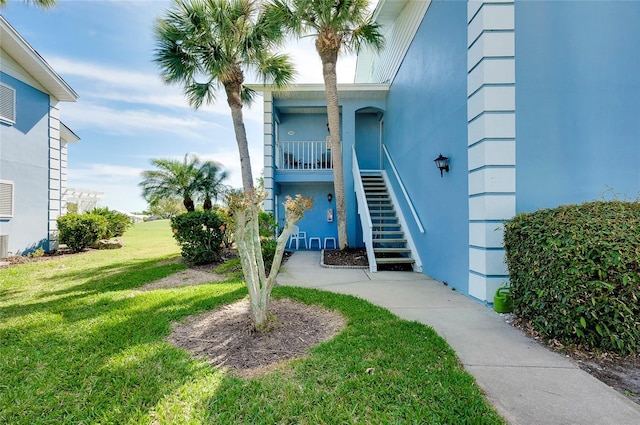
(26, 56)
(7, 104)
(7, 192)
(491, 137)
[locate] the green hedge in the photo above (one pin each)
(78, 231)
(200, 236)
(575, 273)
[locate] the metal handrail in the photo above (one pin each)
(363, 211)
(404, 191)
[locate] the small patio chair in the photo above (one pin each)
(298, 235)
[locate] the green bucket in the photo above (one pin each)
(502, 301)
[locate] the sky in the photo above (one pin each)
(126, 115)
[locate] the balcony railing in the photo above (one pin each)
(311, 155)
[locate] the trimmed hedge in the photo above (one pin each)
(575, 273)
(200, 236)
(78, 231)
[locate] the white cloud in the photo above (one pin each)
(135, 121)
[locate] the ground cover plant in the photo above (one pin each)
(82, 341)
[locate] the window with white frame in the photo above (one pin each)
(7, 104)
(6, 199)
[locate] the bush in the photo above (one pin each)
(117, 222)
(575, 273)
(199, 234)
(228, 238)
(79, 231)
(268, 252)
(267, 225)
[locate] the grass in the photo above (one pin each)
(80, 344)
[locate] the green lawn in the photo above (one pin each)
(79, 344)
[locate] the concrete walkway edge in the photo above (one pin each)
(525, 382)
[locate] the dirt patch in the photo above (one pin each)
(620, 373)
(357, 257)
(353, 257)
(184, 278)
(225, 336)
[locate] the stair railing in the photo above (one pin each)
(404, 191)
(363, 211)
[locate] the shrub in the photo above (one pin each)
(268, 252)
(199, 234)
(79, 231)
(575, 273)
(267, 224)
(228, 238)
(117, 222)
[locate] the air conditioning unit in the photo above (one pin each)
(4, 246)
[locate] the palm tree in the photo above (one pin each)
(210, 184)
(46, 4)
(338, 26)
(172, 178)
(205, 44)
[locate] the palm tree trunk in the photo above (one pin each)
(235, 103)
(329, 60)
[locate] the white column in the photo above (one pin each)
(55, 170)
(269, 145)
(491, 118)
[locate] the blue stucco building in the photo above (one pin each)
(33, 146)
(535, 103)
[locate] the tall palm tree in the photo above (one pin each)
(172, 178)
(338, 26)
(211, 176)
(46, 4)
(205, 44)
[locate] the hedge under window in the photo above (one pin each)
(7, 104)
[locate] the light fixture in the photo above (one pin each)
(442, 162)
(329, 197)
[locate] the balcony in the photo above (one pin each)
(303, 156)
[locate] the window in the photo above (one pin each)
(7, 104)
(6, 199)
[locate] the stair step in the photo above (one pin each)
(394, 250)
(389, 240)
(395, 260)
(387, 232)
(386, 225)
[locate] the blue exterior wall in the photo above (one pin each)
(433, 75)
(577, 101)
(24, 159)
(311, 127)
(314, 221)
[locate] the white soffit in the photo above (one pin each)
(25, 55)
(400, 20)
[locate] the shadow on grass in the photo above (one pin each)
(100, 358)
(92, 281)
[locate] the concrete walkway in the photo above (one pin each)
(527, 383)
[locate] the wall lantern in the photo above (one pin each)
(442, 162)
(329, 197)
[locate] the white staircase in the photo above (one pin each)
(388, 240)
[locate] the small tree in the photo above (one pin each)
(245, 209)
(172, 178)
